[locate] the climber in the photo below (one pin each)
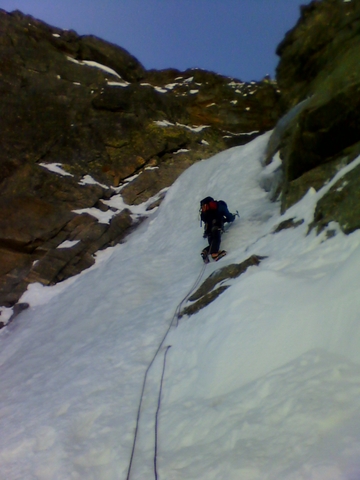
(214, 214)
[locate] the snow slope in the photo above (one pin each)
(263, 384)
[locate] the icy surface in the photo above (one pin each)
(263, 384)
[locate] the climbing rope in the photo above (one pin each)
(141, 400)
(157, 413)
(176, 317)
(194, 286)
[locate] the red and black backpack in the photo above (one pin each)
(208, 203)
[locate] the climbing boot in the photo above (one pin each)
(205, 256)
(218, 255)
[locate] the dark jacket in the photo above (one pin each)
(214, 214)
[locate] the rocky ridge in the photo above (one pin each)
(319, 77)
(90, 140)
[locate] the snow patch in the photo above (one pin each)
(102, 217)
(68, 243)
(56, 168)
(5, 314)
(89, 180)
(160, 90)
(90, 63)
(171, 86)
(118, 84)
(165, 123)
(181, 150)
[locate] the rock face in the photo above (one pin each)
(319, 77)
(89, 136)
(80, 121)
(210, 289)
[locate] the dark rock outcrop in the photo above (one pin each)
(90, 108)
(341, 204)
(207, 292)
(319, 77)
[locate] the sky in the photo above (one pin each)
(262, 384)
(236, 38)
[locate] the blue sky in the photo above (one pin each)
(236, 38)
